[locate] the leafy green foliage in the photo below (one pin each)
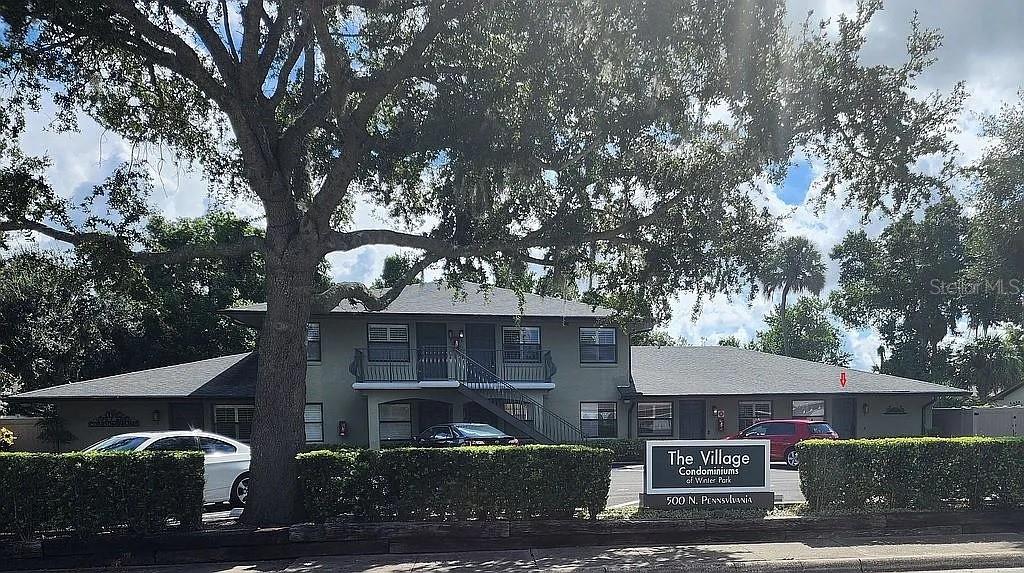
(64, 319)
(57, 323)
(912, 473)
(988, 364)
(807, 333)
(7, 439)
(996, 239)
(520, 482)
(655, 338)
(624, 450)
(93, 492)
(395, 268)
(730, 340)
(900, 284)
(53, 430)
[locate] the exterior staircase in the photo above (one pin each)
(534, 421)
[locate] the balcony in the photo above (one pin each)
(440, 364)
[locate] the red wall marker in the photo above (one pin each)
(842, 379)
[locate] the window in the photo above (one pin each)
(395, 421)
(314, 419)
(213, 446)
(387, 342)
(752, 412)
(597, 420)
(520, 343)
(654, 418)
(312, 342)
(780, 429)
(174, 444)
(440, 433)
(597, 345)
(809, 409)
(233, 421)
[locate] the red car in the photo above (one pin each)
(784, 435)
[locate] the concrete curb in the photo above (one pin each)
(854, 565)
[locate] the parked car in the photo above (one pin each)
(784, 436)
(463, 434)
(226, 461)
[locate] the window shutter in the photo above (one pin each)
(398, 333)
(313, 331)
(313, 415)
(377, 333)
(605, 336)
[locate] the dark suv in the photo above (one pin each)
(785, 434)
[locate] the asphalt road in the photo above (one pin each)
(627, 483)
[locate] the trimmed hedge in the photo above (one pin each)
(625, 450)
(912, 473)
(92, 492)
(411, 484)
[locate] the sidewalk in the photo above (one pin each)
(931, 552)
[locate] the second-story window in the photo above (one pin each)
(520, 344)
(597, 345)
(312, 342)
(387, 342)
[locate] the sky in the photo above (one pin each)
(982, 47)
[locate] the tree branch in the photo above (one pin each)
(359, 292)
(340, 175)
(245, 246)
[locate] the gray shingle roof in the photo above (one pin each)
(726, 370)
(231, 376)
(435, 298)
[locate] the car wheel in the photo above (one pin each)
(240, 490)
(792, 459)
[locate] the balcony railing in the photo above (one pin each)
(436, 363)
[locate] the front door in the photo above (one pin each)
(691, 419)
(432, 350)
(481, 345)
(844, 416)
(185, 416)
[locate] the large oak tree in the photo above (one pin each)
(616, 139)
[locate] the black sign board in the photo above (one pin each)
(707, 473)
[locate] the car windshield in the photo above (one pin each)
(118, 444)
(479, 431)
(821, 428)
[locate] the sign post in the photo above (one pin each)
(707, 474)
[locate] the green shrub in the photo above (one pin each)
(912, 473)
(7, 438)
(625, 450)
(92, 492)
(455, 483)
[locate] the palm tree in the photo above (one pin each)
(988, 364)
(794, 266)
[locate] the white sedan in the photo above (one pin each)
(226, 460)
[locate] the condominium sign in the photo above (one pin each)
(707, 473)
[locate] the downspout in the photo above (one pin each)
(924, 431)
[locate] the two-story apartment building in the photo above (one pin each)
(545, 369)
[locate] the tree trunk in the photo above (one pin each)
(782, 320)
(277, 430)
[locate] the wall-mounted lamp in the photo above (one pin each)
(864, 408)
(156, 416)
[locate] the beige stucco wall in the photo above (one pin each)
(78, 413)
(330, 381)
(872, 423)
